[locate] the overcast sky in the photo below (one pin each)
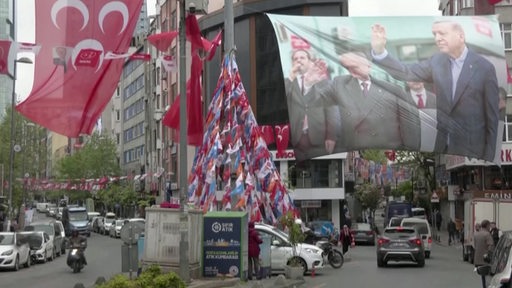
(25, 22)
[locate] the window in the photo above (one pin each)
(317, 174)
(506, 35)
(507, 134)
(467, 3)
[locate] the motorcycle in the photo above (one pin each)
(75, 259)
(331, 254)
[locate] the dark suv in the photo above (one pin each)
(400, 244)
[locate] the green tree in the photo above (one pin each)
(369, 197)
(96, 159)
(376, 156)
(421, 164)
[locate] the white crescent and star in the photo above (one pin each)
(61, 4)
(114, 6)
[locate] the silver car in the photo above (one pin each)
(500, 268)
(41, 245)
(13, 252)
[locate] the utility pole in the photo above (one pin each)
(229, 26)
(184, 261)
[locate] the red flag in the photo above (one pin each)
(194, 107)
(493, 2)
(140, 56)
(268, 134)
(215, 43)
(66, 98)
(282, 137)
(5, 50)
(194, 34)
(509, 77)
(162, 41)
(88, 57)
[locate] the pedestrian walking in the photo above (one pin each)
(254, 252)
(346, 239)
(483, 244)
(439, 220)
(452, 229)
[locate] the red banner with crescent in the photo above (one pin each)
(282, 137)
(73, 82)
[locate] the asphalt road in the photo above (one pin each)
(444, 269)
(103, 256)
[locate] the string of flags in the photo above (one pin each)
(234, 157)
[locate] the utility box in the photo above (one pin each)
(265, 256)
(225, 247)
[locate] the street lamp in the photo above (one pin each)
(11, 151)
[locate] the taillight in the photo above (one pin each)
(382, 241)
(415, 241)
(429, 240)
(369, 233)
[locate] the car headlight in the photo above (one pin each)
(8, 252)
(314, 251)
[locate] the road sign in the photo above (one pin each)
(434, 198)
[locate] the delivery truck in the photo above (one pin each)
(478, 209)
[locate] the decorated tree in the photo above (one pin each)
(234, 157)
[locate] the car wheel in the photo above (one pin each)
(29, 261)
(427, 254)
(380, 262)
(45, 258)
(421, 263)
(17, 263)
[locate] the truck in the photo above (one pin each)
(478, 209)
(397, 209)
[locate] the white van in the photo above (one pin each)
(423, 229)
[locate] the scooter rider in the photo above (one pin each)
(76, 241)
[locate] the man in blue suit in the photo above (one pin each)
(465, 85)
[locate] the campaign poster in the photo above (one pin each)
(430, 84)
(223, 246)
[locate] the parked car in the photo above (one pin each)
(52, 211)
(41, 246)
(363, 233)
(323, 229)
(109, 219)
(282, 251)
(13, 252)
(418, 212)
(400, 244)
(115, 228)
(55, 230)
(423, 229)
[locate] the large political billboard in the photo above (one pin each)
(431, 84)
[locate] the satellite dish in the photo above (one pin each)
(130, 232)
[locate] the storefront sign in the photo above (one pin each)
(285, 155)
(453, 161)
(496, 194)
(311, 203)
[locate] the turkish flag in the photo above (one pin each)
(267, 132)
(68, 98)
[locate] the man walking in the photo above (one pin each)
(451, 231)
(483, 244)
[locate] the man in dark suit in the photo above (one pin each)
(374, 113)
(425, 101)
(314, 124)
(465, 85)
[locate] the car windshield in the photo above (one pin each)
(6, 239)
(119, 223)
(35, 240)
(280, 232)
(43, 227)
(418, 212)
(395, 222)
(77, 216)
(421, 227)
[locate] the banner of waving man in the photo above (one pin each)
(357, 83)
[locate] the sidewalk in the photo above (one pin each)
(274, 282)
(442, 239)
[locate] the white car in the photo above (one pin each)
(107, 222)
(423, 229)
(115, 228)
(13, 252)
(41, 245)
(282, 252)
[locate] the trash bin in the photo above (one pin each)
(140, 249)
(265, 267)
